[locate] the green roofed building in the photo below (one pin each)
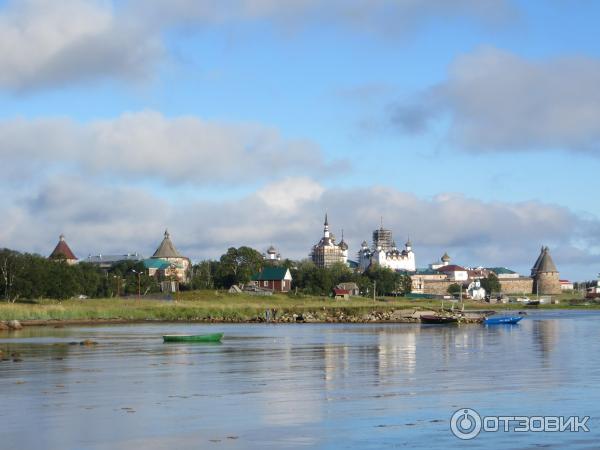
(277, 279)
(168, 262)
(156, 264)
(503, 272)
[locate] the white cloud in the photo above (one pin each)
(100, 218)
(148, 145)
(48, 42)
(288, 195)
(499, 101)
(45, 43)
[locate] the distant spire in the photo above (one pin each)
(326, 227)
(381, 223)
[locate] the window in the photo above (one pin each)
(265, 283)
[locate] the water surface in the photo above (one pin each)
(298, 385)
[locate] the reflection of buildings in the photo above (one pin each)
(545, 334)
(327, 253)
(336, 363)
(397, 351)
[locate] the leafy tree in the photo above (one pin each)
(387, 281)
(11, 271)
(33, 276)
(288, 264)
(405, 285)
(454, 289)
(204, 275)
(238, 265)
(491, 284)
(310, 279)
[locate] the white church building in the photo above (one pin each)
(385, 253)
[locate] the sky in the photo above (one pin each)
(470, 126)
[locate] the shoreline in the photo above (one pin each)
(375, 317)
(58, 323)
(217, 307)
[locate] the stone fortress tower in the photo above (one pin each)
(545, 275)
(62, 252)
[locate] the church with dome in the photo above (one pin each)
(327, 252)
(385, 252)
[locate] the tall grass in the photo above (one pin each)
(218, 306)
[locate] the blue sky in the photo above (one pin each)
(471, 125)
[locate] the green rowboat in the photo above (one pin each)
(214, 337)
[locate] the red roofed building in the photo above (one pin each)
(341, 294)
(454, 272)
(62, 251)
(566, 285)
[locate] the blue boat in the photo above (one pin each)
(502, 320)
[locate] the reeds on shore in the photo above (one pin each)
(220, 306)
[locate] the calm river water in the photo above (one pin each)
(298, 386)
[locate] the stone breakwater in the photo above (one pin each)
(11, 325)
(273, 316)
(375, 316)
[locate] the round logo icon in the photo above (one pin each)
(465, 423)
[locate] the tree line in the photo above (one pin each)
(238, 265)
(30, 276)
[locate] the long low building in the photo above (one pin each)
(438, 277)
(107, 261)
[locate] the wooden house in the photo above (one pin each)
(277, 279)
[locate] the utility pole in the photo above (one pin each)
(139, 280)
(374, 289)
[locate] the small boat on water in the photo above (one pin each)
(502, 320)
(431, 319)
(214, 337)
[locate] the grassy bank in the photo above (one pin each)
(212, 306)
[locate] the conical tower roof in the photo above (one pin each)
(166, 249)
(537, 261)
(62, 250)
(544, 262)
